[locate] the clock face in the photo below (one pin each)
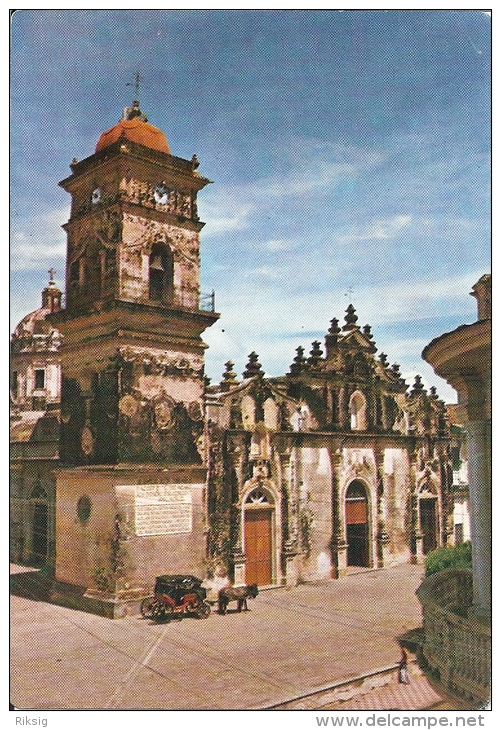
(161, 194)
(96, 195)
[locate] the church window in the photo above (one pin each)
(358, 408)
(161, 274)
(39, 379)
(84, 507)
(257, 496)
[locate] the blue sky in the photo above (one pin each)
(349, 153)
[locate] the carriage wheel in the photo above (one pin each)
(163, 613)
(203, 610)
(149, 606)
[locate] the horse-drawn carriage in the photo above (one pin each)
(174, 597)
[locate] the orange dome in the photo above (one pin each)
(136, 131)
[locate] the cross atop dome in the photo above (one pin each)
(134, 111)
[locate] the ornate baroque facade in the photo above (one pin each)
(331, 467)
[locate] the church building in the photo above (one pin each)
(335, 466)
(331, 468)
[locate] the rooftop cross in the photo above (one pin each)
(136, 84)
(51, 272)
(134, 111)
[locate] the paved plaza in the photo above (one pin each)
(291, 643)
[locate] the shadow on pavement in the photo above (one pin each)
(31, 584)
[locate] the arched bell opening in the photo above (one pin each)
(161, 274)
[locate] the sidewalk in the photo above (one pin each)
(420, 694)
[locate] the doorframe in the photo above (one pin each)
(370, 531)
(429, 488)
(428, 497)
(273, 507)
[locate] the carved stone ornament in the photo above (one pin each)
(164, 418)
(128, 405)
(87, 441)
(195, 411)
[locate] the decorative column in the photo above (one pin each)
(290, 549)
(417, 555)
(479, 477)
(343, 409)
(339, 546)
(237, 455)
(446, 497)
(383, 539)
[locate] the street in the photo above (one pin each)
(291, 642)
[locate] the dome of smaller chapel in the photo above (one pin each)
(35, 331)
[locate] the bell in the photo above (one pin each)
(157, 264)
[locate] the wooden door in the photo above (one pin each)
(429, 523)
(357, 527)
(257, 536)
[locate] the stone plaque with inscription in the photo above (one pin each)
(163, 509)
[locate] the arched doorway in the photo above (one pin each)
(357, 525)
(428, 518)
(258, 538)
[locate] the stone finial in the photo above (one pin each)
(418, 387)
(383, 359)
(315, 354)
(253, 367)
(395, 369)
(334, 329)
(433, 393)
(367, 331)
(229, 377)
(331, 338)
(299, 361)
(350, 318)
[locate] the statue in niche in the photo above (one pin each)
(260, 470)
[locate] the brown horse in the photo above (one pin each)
(240, 594)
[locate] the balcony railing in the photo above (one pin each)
(457, 645)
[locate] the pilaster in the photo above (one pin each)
(339, 546)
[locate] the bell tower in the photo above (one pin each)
(133, 357)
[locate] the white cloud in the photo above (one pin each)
(278, 244)
(408, 301)
(378, 229)
(302, 167)
(225, 213)
(39, 240)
